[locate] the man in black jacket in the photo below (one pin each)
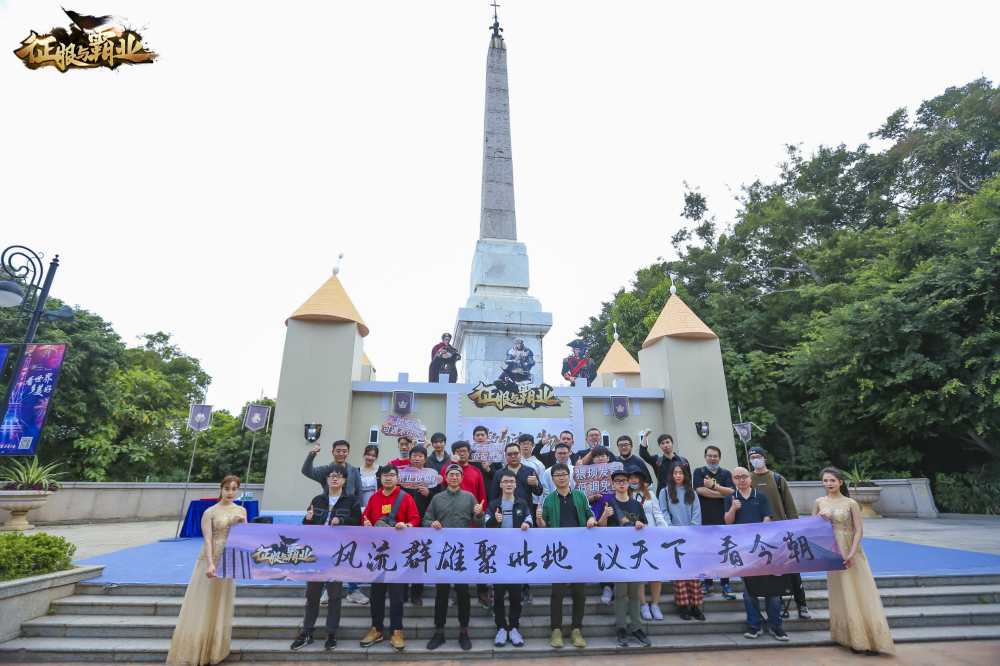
(507, 510)
(333, 508)
(528, 483)
(661, 464)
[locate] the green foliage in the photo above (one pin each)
(22, 556)
(854, 298)
(31, 474)
(855, 478)
(976, 491)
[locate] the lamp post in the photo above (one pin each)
(21, 263)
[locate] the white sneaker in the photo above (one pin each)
(655, 610)
(608, 595)
(501, 638)
(356, 597)
(515, 638)
(645, 612)
(325, 599)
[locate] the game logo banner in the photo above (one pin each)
(31, 389)
(258, 551)
(497, 440)
(513, 395)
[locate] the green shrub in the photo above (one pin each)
(22, 556)
(977, 491)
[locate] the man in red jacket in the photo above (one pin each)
(382, 512)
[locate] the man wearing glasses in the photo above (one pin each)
(332, 508)
(528, 483)
(713, 484)
(565, 507)
(515, 513)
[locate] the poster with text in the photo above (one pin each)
(31, 389)
(496, 440)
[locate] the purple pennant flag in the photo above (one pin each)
(256, 417)
(743, 430)
(200, 417)
(402, 402)
(619, 407)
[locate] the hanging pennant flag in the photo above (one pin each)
(402, 402)
(256, 418)
(619, 407)
(200, 417)
(743, 430)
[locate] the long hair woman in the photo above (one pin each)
(679, 501)
(857, 618)
(205, 626)
(654, 516)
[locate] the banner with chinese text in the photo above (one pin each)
(30, 391)
(591, 479)
(496, 439)
(508, 556)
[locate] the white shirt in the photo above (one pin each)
(549, 486)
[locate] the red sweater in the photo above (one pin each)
(380, 506)
(472, 481)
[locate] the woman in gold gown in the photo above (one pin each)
(857, 619)
(205, 625)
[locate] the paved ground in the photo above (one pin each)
(979, 534)
(971, 653)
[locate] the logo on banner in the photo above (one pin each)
(526, 395)
(287, 552)
(402, 403)
(256, 418)
(396, 426)
(200, 417)
(91, 41)
(743, 430)
(619, 407)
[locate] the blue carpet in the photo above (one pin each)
(173, 562)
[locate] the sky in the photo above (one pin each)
(209, 193)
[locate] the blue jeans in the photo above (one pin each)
(353, 587)
(377, 597)
(771, 604)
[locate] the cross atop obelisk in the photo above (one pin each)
(497, 219)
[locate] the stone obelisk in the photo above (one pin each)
(499, 309)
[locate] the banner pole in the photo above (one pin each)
(251, 455)
(186, 483)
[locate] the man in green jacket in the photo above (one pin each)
(565, 508)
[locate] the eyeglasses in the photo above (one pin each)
(741, 477)
(560, 476)
(509, 481)
(619, 480)
(511, 454)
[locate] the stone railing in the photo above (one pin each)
(901, 498)
(86, 502)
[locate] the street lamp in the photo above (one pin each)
(21, 263)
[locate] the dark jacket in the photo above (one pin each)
(523, 489)
(522, 512)
(352, 484)
(418, 497)
(549, 457)
(347, 509)
(661, 466)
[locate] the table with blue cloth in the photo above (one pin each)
(197, 508)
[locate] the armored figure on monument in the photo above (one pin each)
(577, 365)
(443, 359)
(520, 360)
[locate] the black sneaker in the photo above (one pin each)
(526, 597)
(683, 612)
(697, 614)
(485, 600)
(641, 637)
(780, 634)
(622, 638)
(753, 632)
(436, 641)
(804, 613)
(303, 640)
(417, 601)
(463, 640)
(331, 642)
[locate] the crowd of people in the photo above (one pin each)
(535, 488)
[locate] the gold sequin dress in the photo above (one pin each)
(205, 625)
(857, 619)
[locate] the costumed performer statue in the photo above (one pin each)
(577, 365)
(443, 360)
(520, 360)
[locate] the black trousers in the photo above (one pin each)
(576, 591)
(514, 620)
(376, 598)
(416, 590)
(441, 605)
(798, 590)
(313, 593)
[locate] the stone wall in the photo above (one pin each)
(87, 502)
(901, 498)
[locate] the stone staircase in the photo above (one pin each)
(136, 622)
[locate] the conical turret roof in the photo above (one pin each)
(618, 361)
(330, 303)
(677, 321)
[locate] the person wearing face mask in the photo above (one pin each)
(713, 484)
(779, 496)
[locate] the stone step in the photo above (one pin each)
(292, 606)
(47, 649)
(732, 621)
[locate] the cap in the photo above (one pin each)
(757, 449)
(620, 472)
(453, 466)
